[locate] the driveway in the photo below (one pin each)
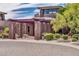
(15, 48)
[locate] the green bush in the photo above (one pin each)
(48, 36)
(75, 36)
(65, 37)
(0, 35)
(57, 36)
(6, 29)
(74, 39)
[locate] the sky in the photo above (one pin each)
(7, 7)
(23, 10)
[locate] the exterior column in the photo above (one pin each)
(20, 30)
(45, 27)
(24, 28)
(37, 30)
(42, 27)
(49, 27)
(11, 30)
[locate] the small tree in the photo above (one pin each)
(58, 23)
(67, 17)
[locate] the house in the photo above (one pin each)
(48, 11)
(2, 15)
(2, 22)
(36, 26)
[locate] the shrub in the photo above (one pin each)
(48, 36)
(75, 36)
(5, 35)
(65, 37)
(57, 36)
(74, 39)
(5, 32)
(0, 35)
(6, 29)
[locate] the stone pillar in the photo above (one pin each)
(45, 27)
(24, 28)
(42, 27)
(11, 30)
(20, 30)
(37, 30)
(48, 27)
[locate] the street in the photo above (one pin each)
(14, 48)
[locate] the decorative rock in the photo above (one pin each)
(25, 35)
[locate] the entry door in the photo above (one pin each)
(30, 29)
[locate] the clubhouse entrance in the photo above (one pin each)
(32, 27)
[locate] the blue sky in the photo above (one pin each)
(23, 10)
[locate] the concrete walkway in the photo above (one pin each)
(36, 48)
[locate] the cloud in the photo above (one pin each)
(26, 10)
(23, 10)
(34, 5)
(10, 15)
(7, 7)
(36, 11)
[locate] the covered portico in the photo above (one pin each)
(32, 27)
(21, 27)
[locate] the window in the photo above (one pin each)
(46, 11)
